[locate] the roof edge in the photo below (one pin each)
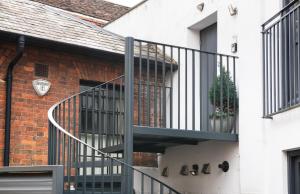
(131, 9)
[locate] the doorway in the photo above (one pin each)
(294, 172)
(208, 68)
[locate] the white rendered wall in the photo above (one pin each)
(169, 21)
(261, 159)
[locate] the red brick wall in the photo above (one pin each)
(29, 126)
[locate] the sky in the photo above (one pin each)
(128, 3)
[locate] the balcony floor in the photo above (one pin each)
(156, 140)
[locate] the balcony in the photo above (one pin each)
(181, 95)
(281, 61)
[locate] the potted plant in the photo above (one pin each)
(223, 97)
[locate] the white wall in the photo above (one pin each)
(263, 143)
(212, 152)
(177, 22)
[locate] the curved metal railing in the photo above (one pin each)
(86, 137)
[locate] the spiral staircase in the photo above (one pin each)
(88, 141)
(94, 133)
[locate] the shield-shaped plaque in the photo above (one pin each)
(41, 86)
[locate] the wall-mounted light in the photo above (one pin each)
(200, 6)
(206, 168)
(232, 10)
(224, 166)
(165, 172)
(184, 170)
(195, 170)
(234, 45)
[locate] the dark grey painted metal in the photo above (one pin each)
(294, 172)
(31, 180)
(188, 134)
(208, 42)
(8, 98)
(100, 109)
(281, 61)
(167, 55)
(129, 94)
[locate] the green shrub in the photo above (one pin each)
(224, 83)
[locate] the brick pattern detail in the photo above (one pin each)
(29, 125)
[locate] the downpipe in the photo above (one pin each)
(9, 79)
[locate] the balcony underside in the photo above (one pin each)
(156, 140)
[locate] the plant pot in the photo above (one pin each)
(222, 125)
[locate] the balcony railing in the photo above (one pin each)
(184, 89)
(281, 61)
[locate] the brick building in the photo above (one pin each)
(60, 48)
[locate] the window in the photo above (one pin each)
(102, 109)
(294, 172)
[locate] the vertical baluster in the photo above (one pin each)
(148, 87)
(84, 168)
(271, 67)
(186, 90)
(178, 93)
(142, 183)
(151, 186)
(140, 86)
(193, 90)
(102, 173)
(64, 138)
(102, 110)
(294, 70)
(93, 140)
(221, 90)
(121, 110)
(113, 114)
(164, 87)
(111, 167)
(264, 69)
(267, 73)
(50, 145)
(228, 99)
(285, 64)
(59, 134)
(279, 91)
(106, 116)
(200, 93)
(171, 89)
(290, 71)
(161, 188)
(207, 90)
(99, 118)
(155, 88)
(75, 143)
(274, 70)
(86, 129)
(80, 128)
(234, 99)
(69, 145)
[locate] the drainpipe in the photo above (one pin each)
(9, 79)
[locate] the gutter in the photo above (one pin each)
(9, 79)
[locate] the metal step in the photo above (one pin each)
(97, 178)
(91, 192)
(113, 149)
